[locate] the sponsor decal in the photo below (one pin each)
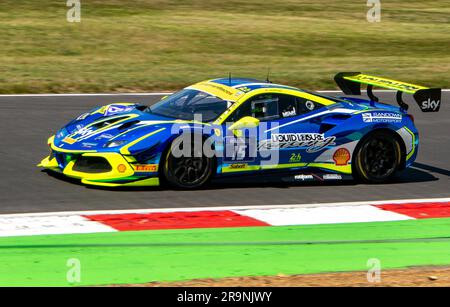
(332, 177)
(341, 156)
(89, 145)
(430, 105)
(219, 88)
(310, 105)
(381, 117)
(145, 167)
(387, 82)
(115, 109)
(83, 116)
(238, 165)
(121, 168)
(289, 113)
(240, 149)
(105, 136)
(69, 140)
(314, 142)
(85, 131)
(244, 89)
(303, 177)
(295, 157)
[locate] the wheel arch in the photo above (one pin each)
(167, 148)
(381, 129)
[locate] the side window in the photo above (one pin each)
(244, 110)
(265, 107)
(306, 106)
(274, 106)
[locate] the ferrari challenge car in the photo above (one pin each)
(236, 127)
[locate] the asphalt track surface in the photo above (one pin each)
(27, 121)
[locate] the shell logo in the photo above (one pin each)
(341, 156)
(121, 168)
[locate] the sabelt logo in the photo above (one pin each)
(238, 165)
(341, 157)
(430, 104)
(313, 141)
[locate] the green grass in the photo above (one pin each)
(144, 45)
(172, 255)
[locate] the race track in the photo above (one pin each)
(27, 121)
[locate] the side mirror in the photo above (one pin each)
(243, 123)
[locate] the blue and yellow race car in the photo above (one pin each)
(236, 127)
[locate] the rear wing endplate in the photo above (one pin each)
(428, 99)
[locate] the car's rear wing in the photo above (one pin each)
(428, 99)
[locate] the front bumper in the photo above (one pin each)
(109, 169)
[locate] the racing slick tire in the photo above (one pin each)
(378, 157)
(187, 172)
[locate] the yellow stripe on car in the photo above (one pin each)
(125, 150)
(138, 183)
(386, 83)
(231, 168)
(219, 90)
(297, 93)
(413, 143)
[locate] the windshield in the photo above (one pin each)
(186, 103)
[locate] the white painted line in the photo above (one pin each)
(191, 209)
(323, 215)
(46, 225)
(311, 214)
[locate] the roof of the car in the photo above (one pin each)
(251, 84)
(233, 88)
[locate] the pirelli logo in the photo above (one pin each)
(145, 168)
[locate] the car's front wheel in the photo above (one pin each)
(378, 157)
(190, 170)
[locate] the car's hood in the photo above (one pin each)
(111, 127)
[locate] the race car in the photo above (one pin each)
(237, 127)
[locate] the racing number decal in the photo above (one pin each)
(240, 149)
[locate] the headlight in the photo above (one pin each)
(114, 144)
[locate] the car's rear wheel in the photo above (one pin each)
(378, 157)
(189, 171)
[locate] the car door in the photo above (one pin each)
(294, 135)
(283, 134)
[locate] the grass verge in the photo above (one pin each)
(145, 45)
(174, 255)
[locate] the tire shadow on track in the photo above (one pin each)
(418, 173)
